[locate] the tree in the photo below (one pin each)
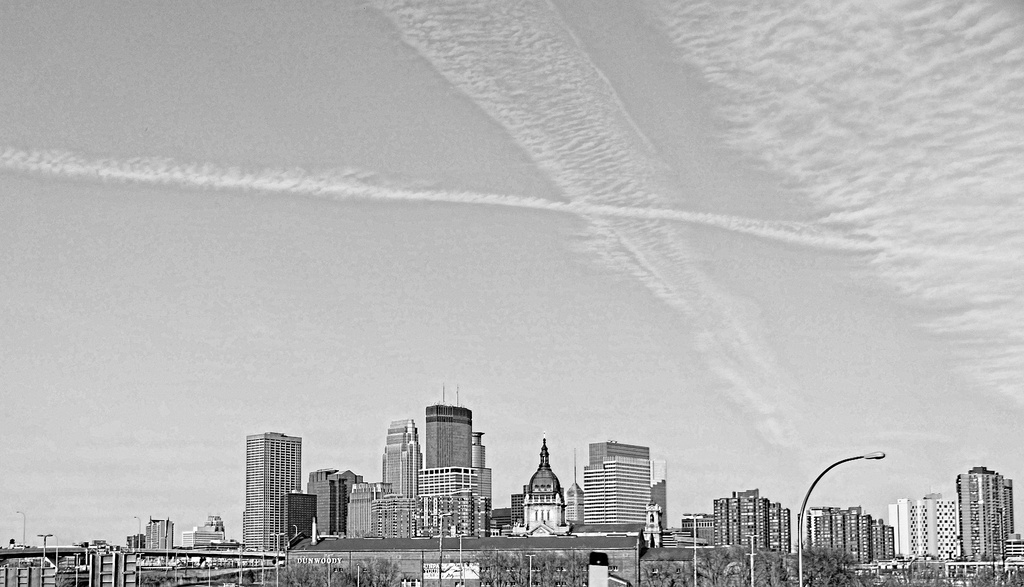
(826, 567)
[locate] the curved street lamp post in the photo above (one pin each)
(803, 508)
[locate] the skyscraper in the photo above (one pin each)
(297, 513)
(159, 534)
(449, 436)
(455, 485)
(273, 468)
(985, 500)
(360, 508)
(659, 489)
(616, 483)
(747, 514)
(332, 490)
(402, 458)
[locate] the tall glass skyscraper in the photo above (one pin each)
(403, 459)
(449, 436)
(273, 468)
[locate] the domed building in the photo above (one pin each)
(543, 502)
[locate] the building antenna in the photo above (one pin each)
(574, 466)
(442, 393)
(457, 395)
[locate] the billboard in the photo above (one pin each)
(452, 571)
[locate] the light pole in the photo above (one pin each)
(529, 580)
(751, 560)
(23, 518)
(873, 456)
(694, 535)
(138, 539)
(43, 558)
(277, 558)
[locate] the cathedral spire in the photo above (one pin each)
(544, 464)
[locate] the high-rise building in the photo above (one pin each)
(927, 527)
(136, 541)
(360, 507)
(273, 467)
(882, 543)
(200, 536)
(849, 530)
(395, 516)
(747, 514)
(297, 513)
(455, 485)
(985, 501)
(616, 483)
(332, 490)
(574, 504)
(402, 458)
(449, 437)
(659, 489)
(517, 508)
(159, 534)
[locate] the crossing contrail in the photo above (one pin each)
(350, 184)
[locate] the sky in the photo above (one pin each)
(756, 238)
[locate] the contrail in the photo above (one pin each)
(349, 184)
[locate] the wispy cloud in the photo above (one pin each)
(903, 123)
(352, 184)
(646, 243)
(521, 64)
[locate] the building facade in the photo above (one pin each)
(850, 530)
(395, 516)
(927, 527)
(201, 536)
(360, 507)
(159, 534)
(455, 500)
(543, 501)
(332, 490)
(747, 514)
(403, 458)
(273, 467)
(298, 510)
(616, 483)
(985, 502)
(449, 437)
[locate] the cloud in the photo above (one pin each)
(902, 123)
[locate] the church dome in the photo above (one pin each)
(544, 480)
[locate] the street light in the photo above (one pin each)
(43, 558)
(871, 456)
(23, 518)
(138, 540)
(529, 580)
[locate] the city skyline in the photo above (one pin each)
(755, 238)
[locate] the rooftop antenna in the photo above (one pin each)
(442, 393)
(457, 395)
(574, 466)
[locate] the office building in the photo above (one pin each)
(501, 521)
(517, 507)
(202, 536)
(659, 488)
(402, 458)
(297, 513)
(985, 501)
(747, 514)
(449, 437)
(574, 504)
(332, 490)
(616, 483)
(360, 507)
(455, 485)
(159, 534)
(273, 468)
(927, 527)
